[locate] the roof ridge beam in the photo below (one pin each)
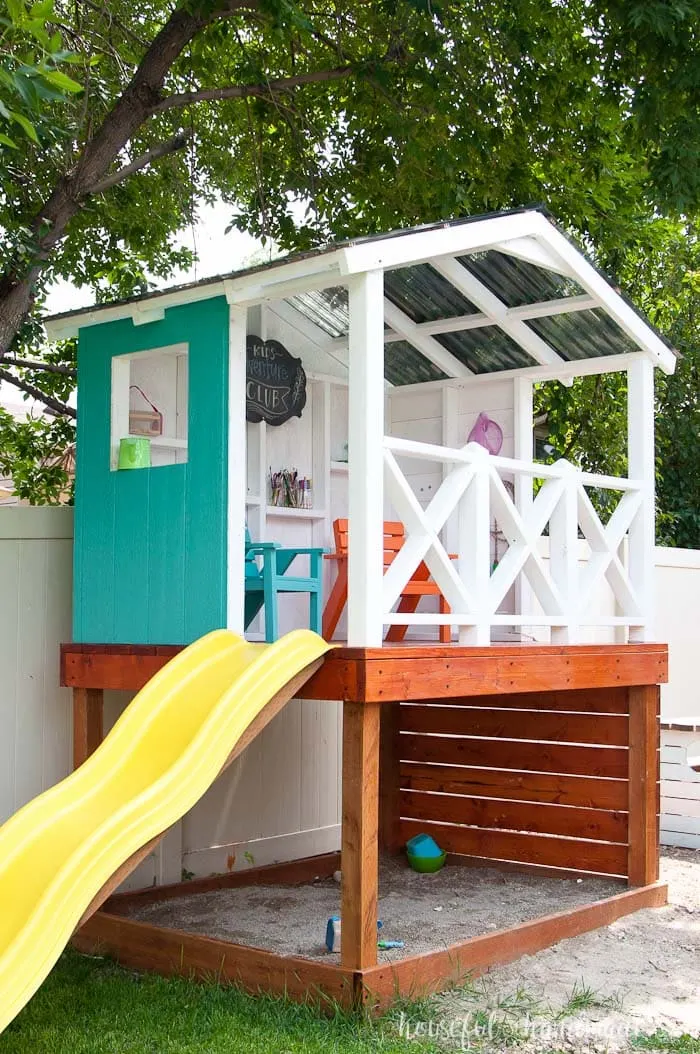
(491, 305)
(426, 345)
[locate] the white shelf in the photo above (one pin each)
(339, 466)
(170, 442)
(295, 514)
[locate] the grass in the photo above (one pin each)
(91, 1006)
(661, 1040)
(585, 998)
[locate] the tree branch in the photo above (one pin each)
(31, 364)
(119, 126)
(36, 393)
(244, 91)
(161, 150)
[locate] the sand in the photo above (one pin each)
(427, 912)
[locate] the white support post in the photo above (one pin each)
(563, 554)
(475, 549)
(365, 459)
(523, 447)
(450, 438)
(640, 447)
(235, 545)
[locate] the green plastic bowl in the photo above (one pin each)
(427, 865)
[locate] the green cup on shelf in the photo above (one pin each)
(134, 452)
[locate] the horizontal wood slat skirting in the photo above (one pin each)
(608, 700)
(558, 789)
(602, 858)
(552, 726)
(572, 822)
(511, 754)
(545, 787)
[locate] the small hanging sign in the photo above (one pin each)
(275, 382)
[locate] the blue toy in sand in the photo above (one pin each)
(424, 854)
(333, 933)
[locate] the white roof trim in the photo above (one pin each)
(421, 246)
(267, 284)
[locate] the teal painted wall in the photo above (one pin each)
(150, 544)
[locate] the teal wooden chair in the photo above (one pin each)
(265, 581)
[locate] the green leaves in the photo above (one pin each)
(29, 73)
(36, 453)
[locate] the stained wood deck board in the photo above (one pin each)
(406, 672)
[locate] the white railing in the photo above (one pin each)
(475, 496)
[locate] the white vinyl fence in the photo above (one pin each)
(678, 622)
(36, 555)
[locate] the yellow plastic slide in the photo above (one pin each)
(60, 851)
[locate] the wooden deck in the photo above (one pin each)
(529, 756)
(404, 671)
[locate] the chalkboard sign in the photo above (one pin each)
(275, 382)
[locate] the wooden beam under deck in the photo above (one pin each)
(406, 672)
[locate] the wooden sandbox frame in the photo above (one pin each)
(573, 789)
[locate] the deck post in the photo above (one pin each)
(643, 776)
(360, 823)
(389, 778)
(365, 459)
(640, 445)
(88, 707)
(235, 531)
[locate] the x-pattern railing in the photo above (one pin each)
(474, 491)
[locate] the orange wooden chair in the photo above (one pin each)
(420, 585)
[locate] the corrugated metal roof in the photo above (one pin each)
(424, 295)
(326, 308)
(485, 350)
(517, 282)
(404, 365)
(582, 334)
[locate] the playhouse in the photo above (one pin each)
(368, 409)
